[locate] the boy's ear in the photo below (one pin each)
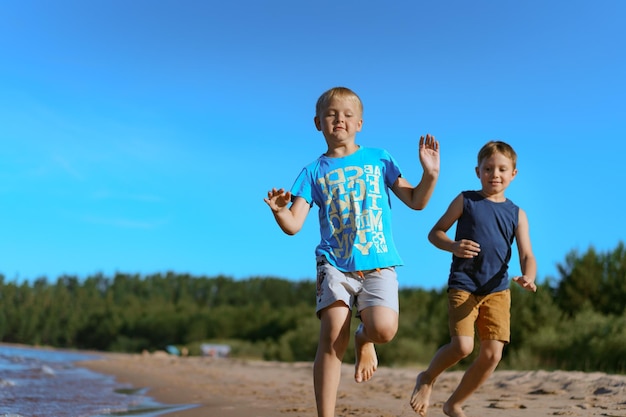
(318, 125)
(477, 172)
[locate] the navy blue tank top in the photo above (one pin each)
(492, 226)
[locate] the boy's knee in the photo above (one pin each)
(379, 325)
(381, 335)
(385, 336)
(492, 356)
(464, 351)
(491, 352)
(463, 346)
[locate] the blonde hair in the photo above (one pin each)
(496, 146)
(336, 92)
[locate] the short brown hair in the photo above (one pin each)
(496, 146)
(336, 92)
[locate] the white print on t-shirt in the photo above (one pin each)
(352, 195)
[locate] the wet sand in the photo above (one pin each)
(240, 388)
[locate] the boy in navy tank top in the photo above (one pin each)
(478, 284)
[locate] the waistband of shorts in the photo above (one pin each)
(361, 273)
(365, 272)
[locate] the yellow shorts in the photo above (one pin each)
(491, 314)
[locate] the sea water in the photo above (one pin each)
(41, 382)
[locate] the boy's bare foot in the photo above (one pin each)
(453, 411)
(420, 399)
(366, 359)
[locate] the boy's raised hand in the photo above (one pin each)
(525, 283)
(277, 199)
(429, 153)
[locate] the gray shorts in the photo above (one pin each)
(376, 287)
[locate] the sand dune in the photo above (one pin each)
(239, 388)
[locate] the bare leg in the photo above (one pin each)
(379, 325)
(447, 356)
(482, 368)
(333, 342)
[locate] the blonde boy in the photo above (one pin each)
(356, 256)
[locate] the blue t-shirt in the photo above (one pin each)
(492, 225)
(353, 197)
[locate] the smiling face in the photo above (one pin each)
(495, 173)
(339, 121)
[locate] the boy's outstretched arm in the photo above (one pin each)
(527, 261)
(417, 197)
(290, 219)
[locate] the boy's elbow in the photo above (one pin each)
(417, 203)
(290, 230)
(419, 200)
(438, 239)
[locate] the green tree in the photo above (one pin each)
(596, 279)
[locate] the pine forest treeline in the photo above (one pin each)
(574, 322)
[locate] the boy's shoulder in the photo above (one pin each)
(473, 196)
(379, 154)
(362, 153)
(379, 151)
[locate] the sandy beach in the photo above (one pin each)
(240, 388)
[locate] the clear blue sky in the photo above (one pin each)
(141, 136)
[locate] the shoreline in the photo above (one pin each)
(209, 386)
(227, 387)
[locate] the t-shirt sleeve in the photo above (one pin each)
(302, 186)
(392, 169)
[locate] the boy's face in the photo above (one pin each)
(340, 121)
(495, 173)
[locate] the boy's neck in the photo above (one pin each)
(341, 151)
(496, 198)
